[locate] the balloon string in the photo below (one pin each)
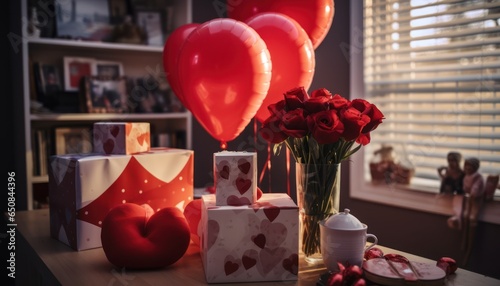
(288, 171)
(255, 133)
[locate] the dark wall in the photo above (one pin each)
(12, 101)
(419, 233)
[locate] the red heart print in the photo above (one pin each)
(272, 213)
(275, 232)
(230, 267)
(249, 258)
(291, 264)
(224, 173)
(235, 201)
(143, 138)
(108, 146)
(213, 233)
(114, 130)
(259, 240)
(243, 185)
(244, 166)
(270, 258)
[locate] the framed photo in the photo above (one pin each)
(151, 21)
(108, 69)
(75, 68)
(83, 19)
(50, 77)
(105, 95)
(73, 140)
(160, 99)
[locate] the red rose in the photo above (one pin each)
(295, 98)
(294, 124)
(325, 126)
(364, 139)
(277, 108)
(373, 113)
(371, 110)
(354, 121)
(316, 104)
(338, 102)
(322, 92)
(271, 131)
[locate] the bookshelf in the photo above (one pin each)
(170, 127)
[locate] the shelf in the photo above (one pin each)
(40, 179)
(139, 62)
(92, 45)
(106, 116)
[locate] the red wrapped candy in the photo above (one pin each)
(373, 252)
(448, 264)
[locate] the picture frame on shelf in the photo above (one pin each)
(151, 21)
(87, 20)
(75, 68)
(73, 140)
(152, 100)
(108, 69)
(105, 95)
(51, 80)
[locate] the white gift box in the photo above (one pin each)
(250, 243)
(121, 137)
(83, 188)
(235, 177)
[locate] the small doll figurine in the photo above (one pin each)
(490, 187)
(451, 176)
(473, 182)
(472, 203)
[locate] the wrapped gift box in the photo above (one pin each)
(83, 188)
(257, 242)
(235, 176)
(121, 137)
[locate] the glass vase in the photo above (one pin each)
(318, 194)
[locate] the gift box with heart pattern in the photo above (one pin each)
(84, 187)
(121, 137)
(235, 176)
(250, 243)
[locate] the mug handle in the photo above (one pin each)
(372, 244)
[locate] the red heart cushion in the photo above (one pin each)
(132, 239)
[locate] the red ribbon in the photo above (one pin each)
(287, 171)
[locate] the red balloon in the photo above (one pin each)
(315, 16)
(171, 52)
(292, 54)
(224, 72)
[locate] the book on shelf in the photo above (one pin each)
(41, 150)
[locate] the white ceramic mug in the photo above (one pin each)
(344, 246)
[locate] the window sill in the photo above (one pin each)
(403, 197)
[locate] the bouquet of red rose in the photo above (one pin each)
(320, 128)
(320, 131)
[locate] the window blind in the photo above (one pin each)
(433, 68)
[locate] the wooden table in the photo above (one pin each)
(42, 260)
